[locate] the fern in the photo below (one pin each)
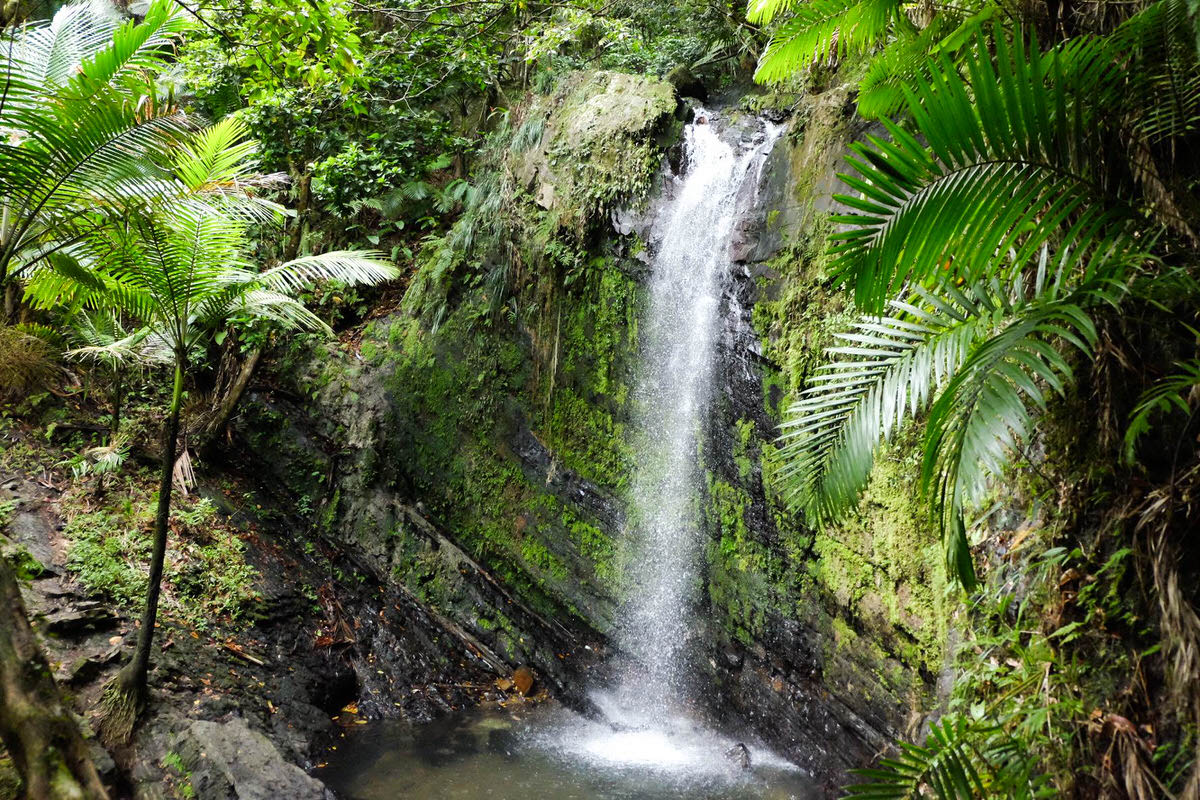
(960, 760)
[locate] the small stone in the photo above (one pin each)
(504, 684)
(522, 678)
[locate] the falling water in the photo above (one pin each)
(648, 743)
(691, 268)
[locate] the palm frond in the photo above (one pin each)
(1177, 391)
(1164, 70)
(133, 48)
(819, 29)
(999, 165)
(49, 54)
(984, 411)
(218, 166)
(347, 266)
(882, 373)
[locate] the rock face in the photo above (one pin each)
(228, 761)
(479, 470)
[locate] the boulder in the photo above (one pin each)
(687, 84)
(228, 761)
(739, 756)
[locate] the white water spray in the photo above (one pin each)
(691, 268)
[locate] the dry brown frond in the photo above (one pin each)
(27, 363)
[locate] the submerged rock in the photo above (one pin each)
(739, 755)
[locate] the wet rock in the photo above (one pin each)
(687, 84)
(522, 679)
(739, 756)
(228, 761)
(86, 668)
(79, 619)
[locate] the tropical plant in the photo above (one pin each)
(961, 759)
(1177, 391)
(182, 274)
(991, 229)
(27, 361)
(82, 133)
(818, 30)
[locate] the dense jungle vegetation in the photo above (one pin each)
(1008, 286)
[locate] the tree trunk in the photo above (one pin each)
(116, 404)
(35, 725)
(12, 301)
(125, 698)
(291, 248)
(227, 403)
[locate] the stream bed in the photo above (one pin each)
(549, 752)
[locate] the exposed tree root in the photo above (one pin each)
(120, 706)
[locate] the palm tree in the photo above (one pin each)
(182, 274)
(1023, 194)
(984, 236)
(82, 133)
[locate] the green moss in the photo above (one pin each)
(206, 571)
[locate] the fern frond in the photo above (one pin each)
(960, 760)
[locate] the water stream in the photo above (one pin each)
(653, 742)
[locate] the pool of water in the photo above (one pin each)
(549, 752)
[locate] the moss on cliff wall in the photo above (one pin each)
(871, 590)
(505, 422)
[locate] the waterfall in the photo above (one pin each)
(648, 724)
(690, 271)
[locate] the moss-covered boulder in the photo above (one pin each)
(601, 136)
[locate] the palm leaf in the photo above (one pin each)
(823, 28)
(994, 166)
(984, 411)
(347, 266)
(49, 54)
(1176, 391)
(882, 373)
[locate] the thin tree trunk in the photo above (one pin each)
(116, 403)
(125, 697)
(291, 248)
(11, 301)
(228, 403)
(35, 725)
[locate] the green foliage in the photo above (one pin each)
(182, 271)
(984, 348)
(207, 573)
(1003, 218)
(960, 760)
(1173, 392)
(82, 150)
(988, 178)
(820, 29)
